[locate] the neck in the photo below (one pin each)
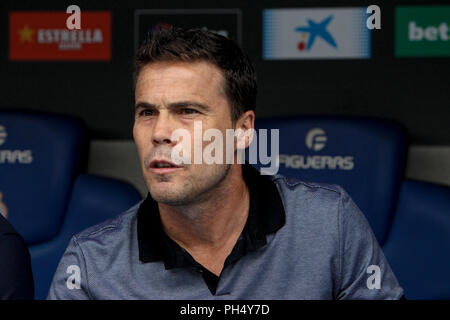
(214, 222)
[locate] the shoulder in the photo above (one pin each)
(293, 189)
(10, 240)
(114, 228)
(312, 205)
(16, 280)
(5, 227)
(327, 206)
(13, 248)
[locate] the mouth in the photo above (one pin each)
(163, 166)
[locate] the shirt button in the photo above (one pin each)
(199, 270)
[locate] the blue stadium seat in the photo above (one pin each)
(46, 198)
(94, 199)
(411, 219)
(418, 246)
(39, 157)
(366, 156)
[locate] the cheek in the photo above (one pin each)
(142, 137)
(136, 135)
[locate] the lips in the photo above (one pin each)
(163, 166)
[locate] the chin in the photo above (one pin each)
(170, 200)
(166, 195)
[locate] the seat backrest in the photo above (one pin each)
(93, 200)
(366, 156)
(39, 157)
(418, 246)
(41, 191)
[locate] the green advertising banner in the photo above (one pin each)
(422, 31)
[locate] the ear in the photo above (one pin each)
(244, 129)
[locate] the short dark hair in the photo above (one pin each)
(192, 45)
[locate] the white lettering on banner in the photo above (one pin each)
(74, 280)
(297, 161)
(49, 36)
(430, 33)
(13, 156)
(316, 139)
(16, 156)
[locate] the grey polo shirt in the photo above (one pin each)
(301, 241)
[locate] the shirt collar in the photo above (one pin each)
(266, 215)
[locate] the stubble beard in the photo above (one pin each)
(194, 190)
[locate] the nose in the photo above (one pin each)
(162, 129)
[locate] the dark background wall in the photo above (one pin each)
(413, 91)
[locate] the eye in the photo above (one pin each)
(146, 113)
(188, 111)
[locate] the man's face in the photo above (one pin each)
(170, 96)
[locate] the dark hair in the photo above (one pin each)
(191, 45)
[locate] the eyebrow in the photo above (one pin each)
(174, 105)
(144, 105)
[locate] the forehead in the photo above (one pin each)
(180, 80)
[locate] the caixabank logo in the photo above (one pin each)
(422, 31)
(44, 36)
(316, 33)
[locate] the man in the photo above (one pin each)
(221, 230)
(16, 278)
